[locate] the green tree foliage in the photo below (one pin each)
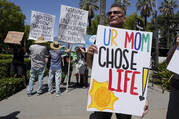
(145, 8)
(94, 25)
(11, 19)
(130, 22)
(90, 6)
(27, 43)
(125, 3)
(167, 9)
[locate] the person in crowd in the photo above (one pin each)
(17, 64)
(18, 67)
(38, 54)
(81, 67)
(173, 105)
(55, 66)
(116, 18)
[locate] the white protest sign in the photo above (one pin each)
(174, 64)
(73, 24)
(42, 24)
(120, 71)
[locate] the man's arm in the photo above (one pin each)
(69, 50)
(146, 108)
(90, 53)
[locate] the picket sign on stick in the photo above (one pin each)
(14, 37)
(72, 28)
(42, 24)
(120, 71)
(73, 24)
(68, 74)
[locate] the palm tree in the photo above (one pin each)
(125, 3)
(167, 9)
(102, 12)
(145, 8)
(90, 6)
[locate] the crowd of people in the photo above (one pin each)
(57, 60)
(59, 63)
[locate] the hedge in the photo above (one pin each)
(6, 56)
(162, 76)
(5, 67)
(9, 86)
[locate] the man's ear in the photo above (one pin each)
(124, 19)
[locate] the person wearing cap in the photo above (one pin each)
(116, 18)
(55, 66)
(38, 54)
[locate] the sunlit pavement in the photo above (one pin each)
(71, 105)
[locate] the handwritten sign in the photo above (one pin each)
(174, 65)
(42, 24)
(14, 37)
(73, 23)
(120, 71)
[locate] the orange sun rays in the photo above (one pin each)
(101, 97)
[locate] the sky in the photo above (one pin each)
(53, 7)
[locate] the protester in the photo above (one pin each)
(116, 18)
(173, 106)
(17, 64)
(81, 67)
(55, 66)
(38, 54)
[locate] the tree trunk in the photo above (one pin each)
(145, 22)
(156, 43)
(168, 34)
(102, 12)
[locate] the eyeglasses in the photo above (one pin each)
(114, 12)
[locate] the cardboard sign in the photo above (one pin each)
(173, 64)
(14, 37)
(73, 24)
(42, 24)
(120, 71)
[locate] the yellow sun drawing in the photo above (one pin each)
(101, 97)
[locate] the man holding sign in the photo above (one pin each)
(116, 18)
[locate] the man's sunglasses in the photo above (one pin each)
(114, 12)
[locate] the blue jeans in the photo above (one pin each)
(57, 74)
(33, 72)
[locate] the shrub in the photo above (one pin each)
(9, 86)
(162, 76)
(4, 68)
(6, 56)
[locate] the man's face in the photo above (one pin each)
(116, 17)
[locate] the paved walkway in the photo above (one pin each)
(71, 105)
